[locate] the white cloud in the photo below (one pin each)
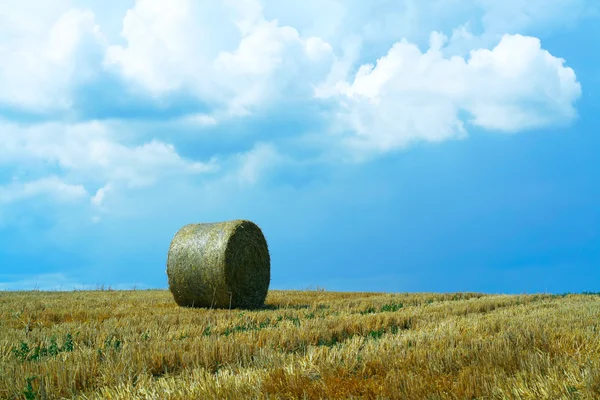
(272, 62)
(24, 18)
(235, 55)
(90, 154)
(518, 85)
(226, 54)
(91, 150)
(409, 95)
(41, 62)
(240, 55)
(52, 187)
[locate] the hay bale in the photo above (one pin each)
(221, 265)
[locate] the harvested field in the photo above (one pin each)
(302, 344)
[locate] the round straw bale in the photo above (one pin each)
(220, 265)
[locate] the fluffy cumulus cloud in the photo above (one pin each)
(44, 54)
(409, 95)
(224, 53)
(361, 65)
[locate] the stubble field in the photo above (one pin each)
(303, 344)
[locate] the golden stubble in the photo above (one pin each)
(303, 344)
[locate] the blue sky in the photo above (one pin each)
(393, 146)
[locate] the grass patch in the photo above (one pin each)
(26, 352)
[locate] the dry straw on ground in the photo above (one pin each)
(219, 265)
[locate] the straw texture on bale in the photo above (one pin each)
(220, 265)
